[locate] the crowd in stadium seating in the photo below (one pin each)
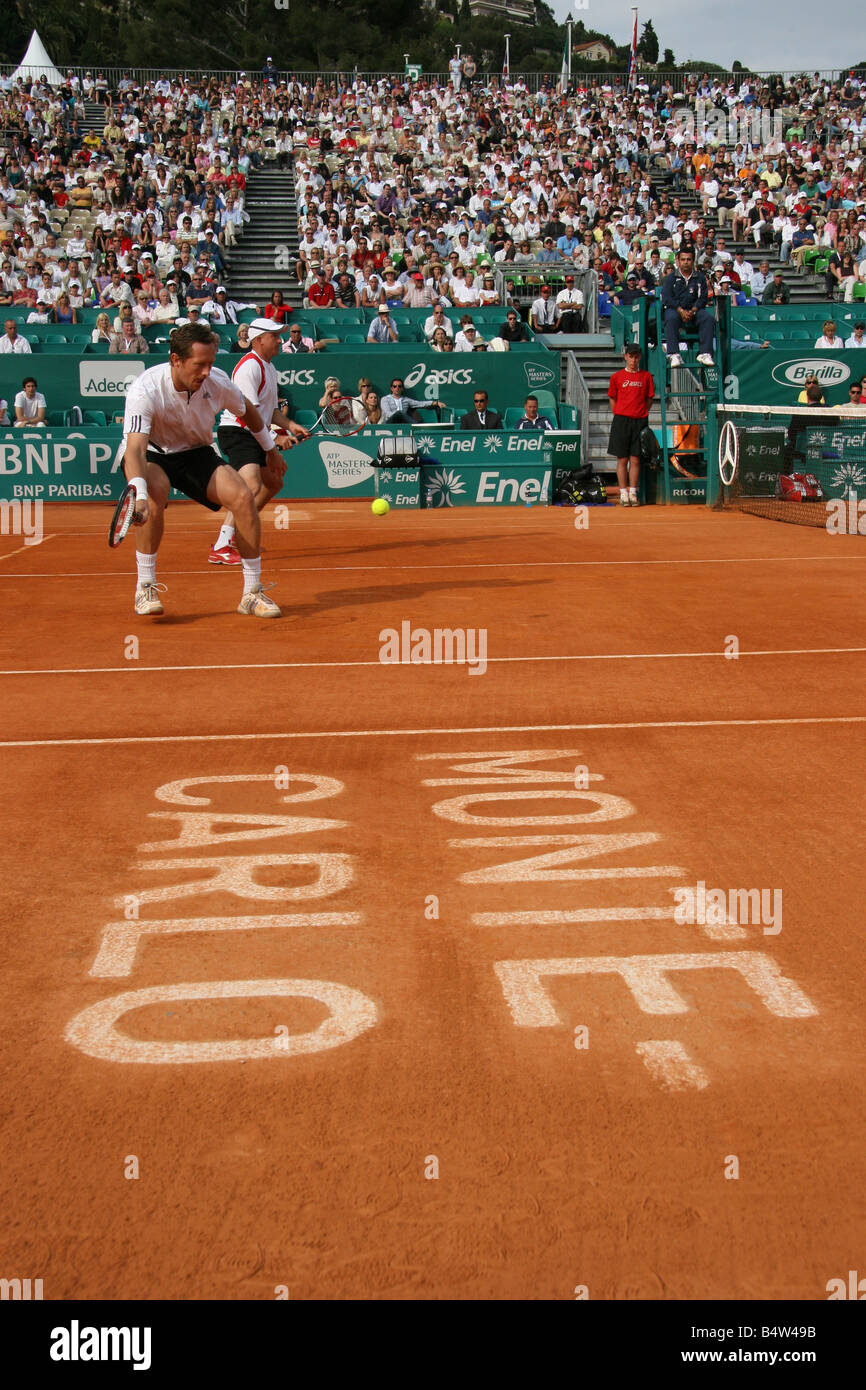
(415, 194)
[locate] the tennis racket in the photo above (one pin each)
(123, 516)
(342, 415)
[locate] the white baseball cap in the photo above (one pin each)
(266, 326)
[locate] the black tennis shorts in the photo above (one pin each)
(625, 436)
(190, 471)
(239, 447)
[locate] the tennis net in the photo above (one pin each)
(790, 463)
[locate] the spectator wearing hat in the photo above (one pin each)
(417, 295)
(631, 293)
(544, 314)
(467, 338)
(383, 329)
(571, 304)
(857, 338)
(777, 291)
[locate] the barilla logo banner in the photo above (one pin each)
(345, 466)
(828, 372)
(101, 379)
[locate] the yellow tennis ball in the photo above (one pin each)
(380, 507)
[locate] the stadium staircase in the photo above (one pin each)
(93, 122)
(271, 235)
(803, 289)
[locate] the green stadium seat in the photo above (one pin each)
(56, 417)
(354, 339)
(95, 417)
(307, 418)
(859, 292)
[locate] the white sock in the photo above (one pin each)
(632, 492)
(146, 568)
(225, 537)
(252, 573)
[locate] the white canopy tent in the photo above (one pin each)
(36, 63)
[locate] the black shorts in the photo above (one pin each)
(239, 447)
(625, 436)
(190, 471)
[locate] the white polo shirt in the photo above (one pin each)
(257, 380)
(175, 420)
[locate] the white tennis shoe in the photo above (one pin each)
(147, 600)
(257, 604)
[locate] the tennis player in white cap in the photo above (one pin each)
(257, 379)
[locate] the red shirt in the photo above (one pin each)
(322, 295)
(631, 393)
(280, 312)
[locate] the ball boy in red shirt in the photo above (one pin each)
(631, 393)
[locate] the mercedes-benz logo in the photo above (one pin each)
(729, 453)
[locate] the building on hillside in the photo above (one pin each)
(521, 11)
(595, 51)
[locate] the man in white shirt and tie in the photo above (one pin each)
(544, 314)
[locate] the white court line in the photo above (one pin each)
(137, 669)
(31, 546)
(456, 565)
(415, 733)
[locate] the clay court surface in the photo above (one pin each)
(291, 1054)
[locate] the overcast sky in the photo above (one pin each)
(776, 35)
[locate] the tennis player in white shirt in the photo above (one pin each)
(168, 442)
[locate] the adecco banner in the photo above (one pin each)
(96, 383)
(771, 377)
(85, 464)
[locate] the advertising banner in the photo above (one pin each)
(97, 383)
(771, 377)
(474, 467)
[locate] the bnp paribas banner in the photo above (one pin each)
(485, 467)
(96, 383)
(767, 376)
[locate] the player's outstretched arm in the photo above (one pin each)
(135, 469)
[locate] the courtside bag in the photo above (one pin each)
(799, 487)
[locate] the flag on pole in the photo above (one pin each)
(632, 62)
(563, 76)
(506, 64)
